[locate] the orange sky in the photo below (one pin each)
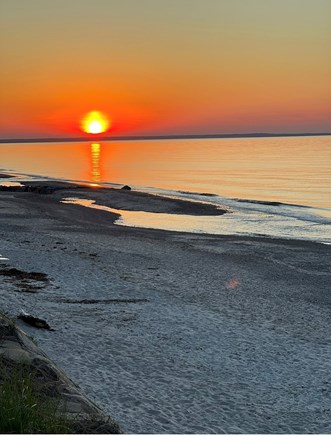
(165, 66)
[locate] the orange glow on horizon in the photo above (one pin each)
(95, 123)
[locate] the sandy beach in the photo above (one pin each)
(172, 332)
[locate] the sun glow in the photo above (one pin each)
(95, 123)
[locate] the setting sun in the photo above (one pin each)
(95, 122)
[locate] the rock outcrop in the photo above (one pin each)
(17, 349)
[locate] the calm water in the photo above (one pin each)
(293, 170)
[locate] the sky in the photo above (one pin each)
(165, 66)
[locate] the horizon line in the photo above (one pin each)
(156, 137)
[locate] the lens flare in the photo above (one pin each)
(95, 122)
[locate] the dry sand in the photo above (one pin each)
(173, 332)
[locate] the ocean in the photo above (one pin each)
(273, 187)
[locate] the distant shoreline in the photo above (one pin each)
(156, 137)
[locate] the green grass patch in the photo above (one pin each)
(23, 408)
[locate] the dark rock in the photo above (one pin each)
(10, 188)
(126, 187)
(43, 189)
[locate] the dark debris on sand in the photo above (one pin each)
(28, 188)
(105, 301)
(34, 321)
(22, 275)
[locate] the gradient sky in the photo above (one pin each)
(165, 66)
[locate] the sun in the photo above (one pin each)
(95, 122)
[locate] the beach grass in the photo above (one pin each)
(23, 409)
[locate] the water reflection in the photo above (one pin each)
(238, 223)
(10, 183)
(95, 163)
(291, 170)
(163, 221)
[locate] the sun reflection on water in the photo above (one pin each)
(95, 164)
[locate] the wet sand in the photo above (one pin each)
(173, 332)
(116, 198)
